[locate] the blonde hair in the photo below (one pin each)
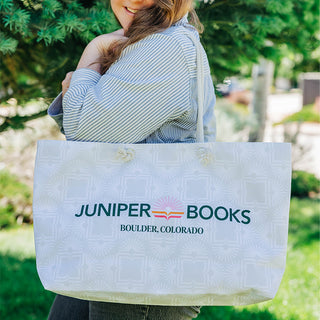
(162, 15)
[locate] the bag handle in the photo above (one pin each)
(200, 85)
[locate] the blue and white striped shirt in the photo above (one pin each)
(149, 95)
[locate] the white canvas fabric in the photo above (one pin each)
(164, 224)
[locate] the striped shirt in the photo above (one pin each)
(149, 95)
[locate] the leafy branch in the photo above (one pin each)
(18, 122)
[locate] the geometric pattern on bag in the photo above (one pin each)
(138, 230)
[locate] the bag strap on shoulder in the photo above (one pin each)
(200, 86)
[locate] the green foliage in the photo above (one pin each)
(21, 293)
(51, 8)
(7, 45)
(304, 221)
(6, 5)
(306, 114)
(303, 183)
(43, 40)
(234, 121)
(7, 217)
(238, 32)
(15, 204)
(17, 20)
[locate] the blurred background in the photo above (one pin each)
(264, 57)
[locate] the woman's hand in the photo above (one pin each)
(93, 51)
(103, 41)
(66, 83)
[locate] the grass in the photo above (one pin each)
(306, 114)
(15, 196)
(22, 295)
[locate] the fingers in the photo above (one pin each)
(119, 32)
(66, 82)
(67, 78)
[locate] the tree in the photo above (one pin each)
(262, 74)
(239, 32)
(41, 40)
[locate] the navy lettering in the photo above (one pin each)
(94, 210)
(80, 214)
(247, 221)
(132, 209)
(210, 212)
(122, 207)
(223, 209)
(102, 208)
(192, 212)
(144, 207)
(233, 215)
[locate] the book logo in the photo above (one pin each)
(168, 207)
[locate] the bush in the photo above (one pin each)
(306, 114)
(234, 121)
(303, 183)
(16, 201)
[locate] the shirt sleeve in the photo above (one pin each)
(55, 111)
(148, 86)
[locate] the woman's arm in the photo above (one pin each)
(88, 60)
(92, 53)
(148, 86)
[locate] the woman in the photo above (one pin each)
(135, 85)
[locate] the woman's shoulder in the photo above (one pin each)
(176, 36)
(172, 48)
(177, 39)
(182, 33)
(168, 46)
(185, 37)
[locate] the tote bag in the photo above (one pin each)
(163, 224)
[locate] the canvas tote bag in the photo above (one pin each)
(163, 224)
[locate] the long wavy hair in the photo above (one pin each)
(160, 16)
